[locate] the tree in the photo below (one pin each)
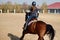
(44, 7)
(25, 6)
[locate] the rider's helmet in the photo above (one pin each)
(33, 3)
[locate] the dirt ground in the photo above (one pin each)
(11, 26)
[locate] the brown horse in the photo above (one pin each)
(40, 28)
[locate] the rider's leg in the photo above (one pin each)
(29, 18)
(26, 24)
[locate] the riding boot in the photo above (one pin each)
(26, 24)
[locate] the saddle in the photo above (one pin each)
(32, 22)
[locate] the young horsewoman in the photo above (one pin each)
(33, 14)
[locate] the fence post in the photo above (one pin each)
(7, 10)
(14, 11)
(1, 11)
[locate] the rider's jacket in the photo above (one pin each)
(35, 12)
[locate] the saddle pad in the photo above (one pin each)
(32, 22)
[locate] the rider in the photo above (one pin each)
(33, 14)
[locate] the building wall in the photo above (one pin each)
(53, 10)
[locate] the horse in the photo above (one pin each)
(40, 28)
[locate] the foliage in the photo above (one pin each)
(44, 7)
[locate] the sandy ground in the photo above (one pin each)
(11, 26)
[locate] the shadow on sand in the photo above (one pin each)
(13, 37)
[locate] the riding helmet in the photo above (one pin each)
(34, 3)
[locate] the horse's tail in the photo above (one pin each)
(50, 31)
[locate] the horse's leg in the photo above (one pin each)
(41, 34)
(23, 34)
(40, 38)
